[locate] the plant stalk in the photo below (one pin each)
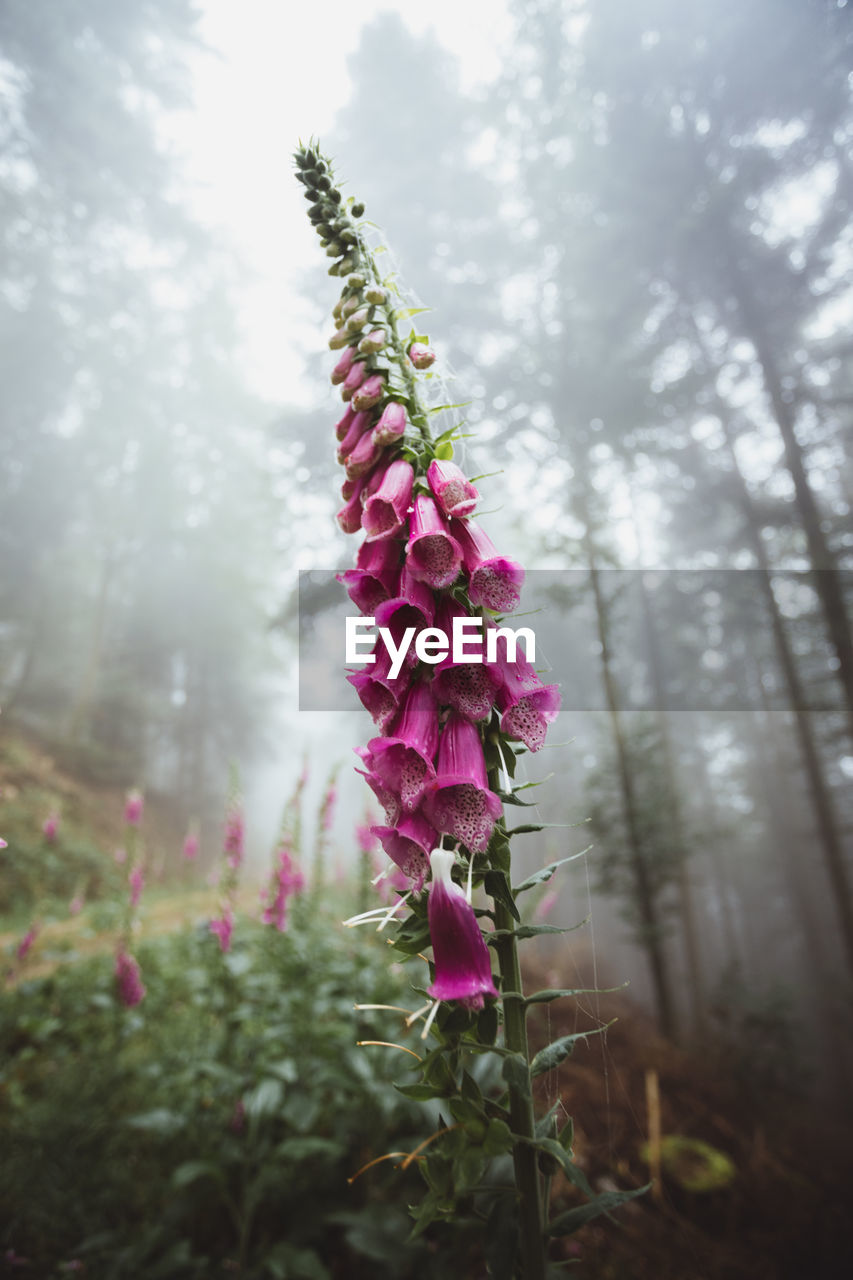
(521, 1105)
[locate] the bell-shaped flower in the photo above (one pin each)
(344, 366)
(469, 686)
(403, 760)
(421, 355)
(413, 606)
(376, 576)
(342, 426)
(381, 693)
(432, 555)
(527, 706)
(223, 928)
(370, 392)
(388, 799)
(458, 801)
(388, 503)
(494, 582)
(408, 844)
(133, 806)
(463, 970)
(391, 424)
(454, 492)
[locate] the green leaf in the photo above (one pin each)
(565, 1223)
(559, 993)
(265, 1099)
(545, 873)
(498, 1139)
(160, 1121)
(527, 828)
(496, 884)
(550, 1057)
(194, 1171)
(444, 451)
(530, 931)
(419, 1092)
(515, 1073)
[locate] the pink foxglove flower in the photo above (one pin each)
(381, 694)
(463, 970)
(391, 425)
(343, 367)
(387, 505)
(402, 761)
(469, 687)
(76, 904)
(408, 844)
(432, 555)
(457, 800)
(133, 806)
(234, 837)
(288, 881)
(344, 423)
(363, 457)
(129, 979)
(527, 706)
(370, 392)
(136, 880)
(358, 426)
(412, 607)
(120, 856)
(353, 381)
(223, 927)
(4, 844)
(376, 576)
(421, 355)
(189, 849)
(493, 581)
(26, 942)
(350, 515)
(51, 826)
(454, 493)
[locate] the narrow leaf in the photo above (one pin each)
(569, 1221)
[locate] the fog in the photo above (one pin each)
(630, 220)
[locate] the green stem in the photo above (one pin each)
(521, 1104)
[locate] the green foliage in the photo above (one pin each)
(217, 1122)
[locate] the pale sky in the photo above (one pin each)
(278, 73)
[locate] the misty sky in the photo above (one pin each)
(277, 72)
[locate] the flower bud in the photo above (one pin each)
(345, 266)
(357, 210)
(351, 304)
(372, 342)
(337, 309)
(340, 338)
(334, 250)
(369, 393)
(343, 367)
(356, 281)
(357, 321)
(352, 382)
(375, 294)
(391, 424)
(421, 356)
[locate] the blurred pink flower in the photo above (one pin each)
(50, 826)
(130, 988)
(190, 846)
(120, 856)
(235, 836)
(76, 904)
(133, 806)
(223, 928)
(27, 941)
